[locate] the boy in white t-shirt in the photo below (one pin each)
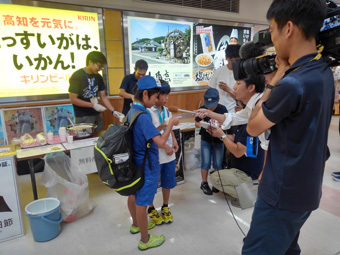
(167, 156)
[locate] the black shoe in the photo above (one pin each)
(206, 189)
(214, 190)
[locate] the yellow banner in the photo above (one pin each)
(40, 48)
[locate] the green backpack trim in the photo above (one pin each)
(128, 186)
(109, 161)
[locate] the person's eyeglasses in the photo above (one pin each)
(100, 67)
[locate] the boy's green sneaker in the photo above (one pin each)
(135, 230)
(167, 217)
(154, 241)
(155, 217)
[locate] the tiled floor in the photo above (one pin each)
(202, 224)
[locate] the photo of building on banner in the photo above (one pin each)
(209, 44)
(166, 47)
(42, 48)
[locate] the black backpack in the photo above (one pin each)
(113, 155)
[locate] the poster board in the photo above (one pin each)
(11, 225)
(201, 44)
(57, 116)
(165, 45)
(209, 44)
(42, 48)
(2, 134)
(19, 121)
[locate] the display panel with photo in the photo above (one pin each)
(22, 121)
(209, 44)
(2, 135)
(58, 116)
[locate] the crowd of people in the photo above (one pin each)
(274, 129)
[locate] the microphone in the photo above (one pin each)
(251, 50)
(176, 109)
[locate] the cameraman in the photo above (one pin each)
(297, 106)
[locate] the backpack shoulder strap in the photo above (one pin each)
(135, 116)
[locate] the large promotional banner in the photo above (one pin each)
(40, 48)
(166, 46)
(210, 42)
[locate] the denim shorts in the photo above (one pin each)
(168, 175)
(214, 151)
(145, 195)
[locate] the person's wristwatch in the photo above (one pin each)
(268, 86)
(222, 137)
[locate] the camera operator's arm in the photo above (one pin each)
(258, 123)
(282, 66)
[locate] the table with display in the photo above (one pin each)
(32, 153)
(186, 129)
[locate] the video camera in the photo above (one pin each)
(329, 37)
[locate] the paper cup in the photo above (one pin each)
(70, 138)
(50, 136)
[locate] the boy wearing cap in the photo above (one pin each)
(143, 131)
(167, 156)
(211, 147)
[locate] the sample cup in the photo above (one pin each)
(70, 138)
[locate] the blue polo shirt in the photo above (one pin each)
(251, 166)
(128, 84)
(142, 131)
(301, 106)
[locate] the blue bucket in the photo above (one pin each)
(45, 217)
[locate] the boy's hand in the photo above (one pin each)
(169, 151)
(174, 121)
(175, 147)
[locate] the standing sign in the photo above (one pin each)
(10, 213)
(84, 159)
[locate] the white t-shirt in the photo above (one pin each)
(157, 120)
(224, 74)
